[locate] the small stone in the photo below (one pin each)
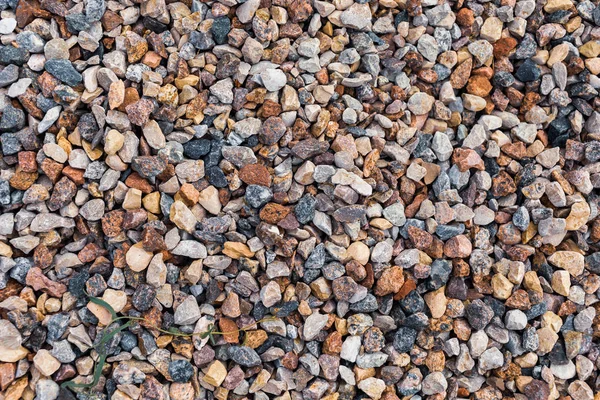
(45, 363)
(187, 312)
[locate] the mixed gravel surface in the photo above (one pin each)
(299, 199)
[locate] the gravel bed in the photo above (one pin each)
(299, 199)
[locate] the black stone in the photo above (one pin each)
(181, 371)
(457, 288)
(220, 28)
(143, 297)
(76, 22)
(417, 223)
(497, 306)
(446, 232)
(440, 272)
(305, 209)
(196, 149)
(128, 341)
(57, 325)
(88, 127)
(317, 257)
(479, 314)
(418, 321)
(527, 48)
(503, 79)
(593, 262)
(13, 55)
(528, 71)
(521, 219)
(12, 119)
(281, 342)
(592, 151)
(558, 355)
(310, 275)
(404, 339)
(216, 177)
(412, 303)
(64, 71)
(22, 266)
(77, 284)
(154, 25)
(536, 310)
(202, 40)
(514, 344)
(96, 285)
(227, 66)
(366, 305)
(10, 144)
(583, 90)
(244, 356)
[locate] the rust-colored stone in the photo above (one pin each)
(503, 184)
(255, 174)
(38, 281)
(22, 180)
(273, 213)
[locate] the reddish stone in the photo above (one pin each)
(390, 281)
(38, 281)
(356, 270)
(503, 185)
(504, 46)
(152, 240)
(134, 218)
(134, 180)
(110, 20)
(519, 300)
(465, 17)
(333, 343)
(29, 102)
(273, 213)
(139, 112)
(289, 222)
(270, 109)
(229, 329)
(112, 222)
(22, 180)
(466, 159)
(27, 161)
(152, 389)
(460, 76)
(420, 238)
(131, 96)
(62, 194)
(479, 86)
(28, 10)
(43, 256)
(76, 175)
(300, 10)
(515, 150)
(7, 374)
(408, 286)
(255, 174)
(537, 390)
(52, 169)
(458, 247)
(47, 83)
(290, 361)
(89, 253)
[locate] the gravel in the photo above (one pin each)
(299, 199)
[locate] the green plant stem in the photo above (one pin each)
(107, 336)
